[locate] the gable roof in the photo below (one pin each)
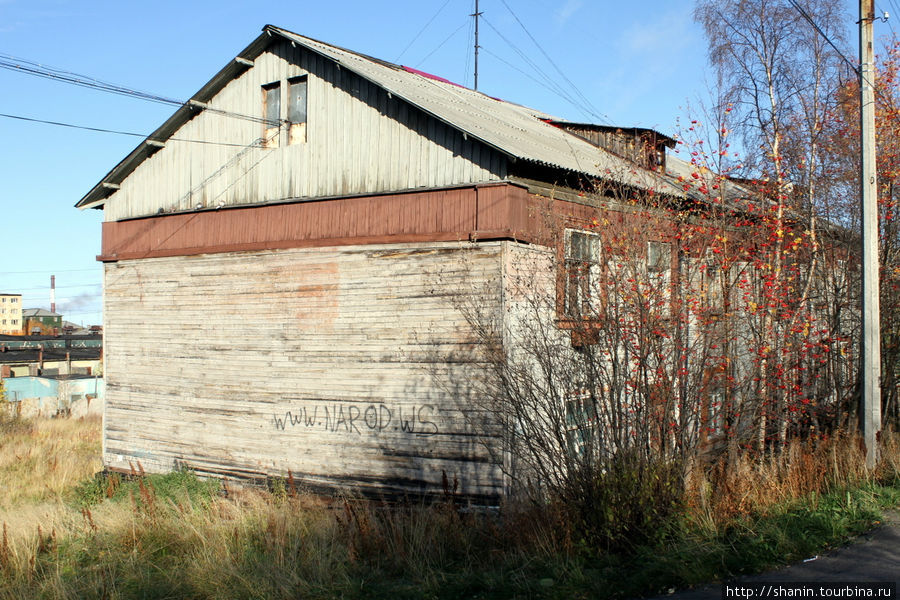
(39, 312)
(519, 132)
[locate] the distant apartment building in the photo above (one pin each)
(40, 321)
(10, 314)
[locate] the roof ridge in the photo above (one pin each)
(511, 129)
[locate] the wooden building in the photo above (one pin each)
(280, 298)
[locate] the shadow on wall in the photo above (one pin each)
(48, 397)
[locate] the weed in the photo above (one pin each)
(174, 535)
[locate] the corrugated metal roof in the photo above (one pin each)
(683, 171)
(39, 312)
(516, 130)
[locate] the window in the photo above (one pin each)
(271, 114)
(581, 422)
(839, 275)
(14, 300)
(294, 115)
(297, 109)
(659, 257)
(582, 271)
(713, 283)
(715, 424)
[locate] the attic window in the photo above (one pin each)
(297, 109)
(271, 113)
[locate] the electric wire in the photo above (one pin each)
(441, 45)
(28, 67)
(548, 83)
(887, 20)
(47, 288)
(555, 86)
(894, 7)
(811, 21)
(854, 68)
(524, 56)
(583, 98)
(114, 131)
(470, 34)
(421, 31)
(48, 271)
(528, 75)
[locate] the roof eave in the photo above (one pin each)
(97, 196)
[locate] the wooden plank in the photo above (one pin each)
(350, 143)
(438, 215)
(334, 363)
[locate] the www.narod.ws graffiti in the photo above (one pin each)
(351, 419)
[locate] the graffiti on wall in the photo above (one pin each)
(355, 419)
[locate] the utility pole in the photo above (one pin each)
(871, 326)
(476, 15)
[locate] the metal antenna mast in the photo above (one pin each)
(476, 14)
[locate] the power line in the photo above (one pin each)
(887, 20)
(584, 98)
(854, 68)
(421, 31)
(552, 84)
(555, 86)
(52, 271)
(815, 26)
(446, 39)
(47, 288)
(114, 131)
(28, 67)
(528, 75)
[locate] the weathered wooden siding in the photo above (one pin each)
(344, 365)
(358, 141)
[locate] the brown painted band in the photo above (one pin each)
(503, 234)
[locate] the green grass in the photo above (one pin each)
(146, 491)
(176, 536)
(196, 545)
(780, 535)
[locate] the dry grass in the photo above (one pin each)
(169, 538)
(742, 484)
(40, 459)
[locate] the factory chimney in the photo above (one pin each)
(53, 293)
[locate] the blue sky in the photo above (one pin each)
(639, 64)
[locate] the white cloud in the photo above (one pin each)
(666, 32)
(567, 10)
